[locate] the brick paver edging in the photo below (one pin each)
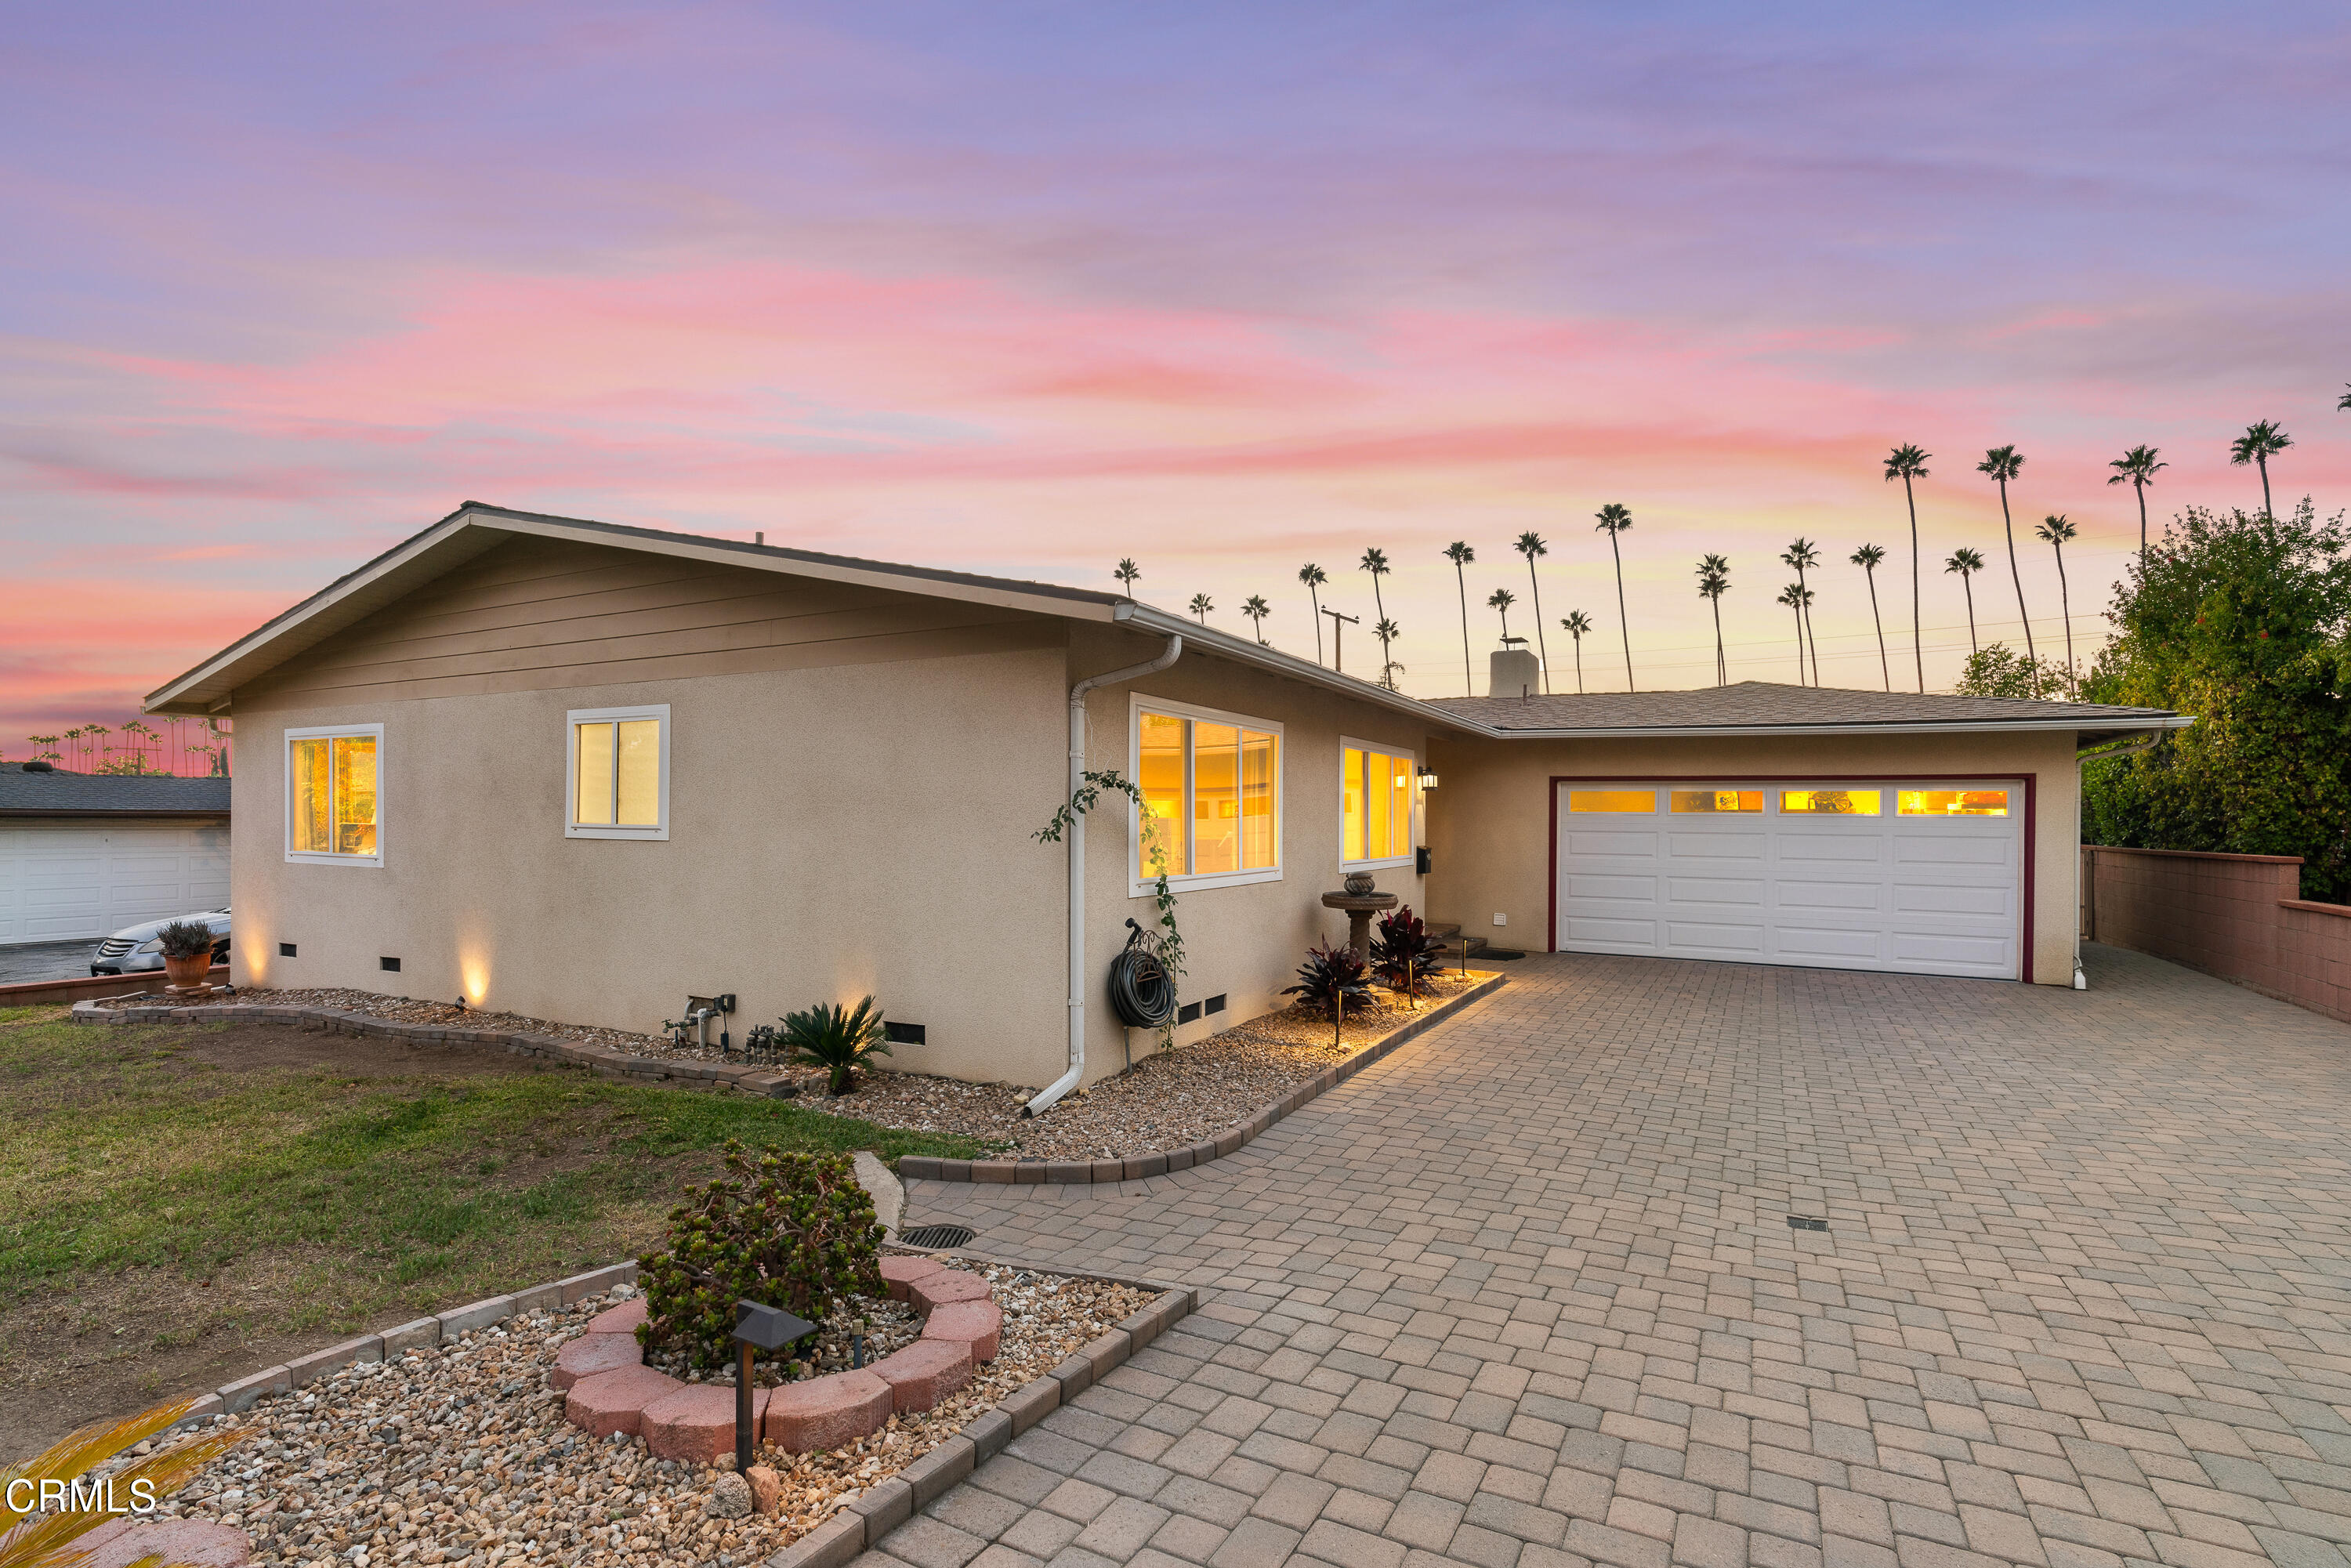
(232, 1398)
(1134, 1168)
(597, 1059)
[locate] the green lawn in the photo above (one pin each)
(196, 1150)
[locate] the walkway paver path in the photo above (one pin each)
(1526, 1293)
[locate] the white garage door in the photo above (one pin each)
(1841, 874)
(65, 879)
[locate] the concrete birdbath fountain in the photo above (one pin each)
(1360, 901)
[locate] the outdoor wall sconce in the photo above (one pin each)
(1427, 777)
(757, 1327)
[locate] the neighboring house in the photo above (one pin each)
(83, 855)
(581, 770)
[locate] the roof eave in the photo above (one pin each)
(1241, 651)
(1944, 727)
(474, 527)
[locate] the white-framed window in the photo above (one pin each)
(616, 772)
(1378, 787)
(334, 795)
(1212, 782)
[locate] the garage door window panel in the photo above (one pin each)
(1829, 802)
(1951, 802)
(334, 795)
(1713, 802)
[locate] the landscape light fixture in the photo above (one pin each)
(757, 1327)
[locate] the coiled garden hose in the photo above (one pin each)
(1139, 990)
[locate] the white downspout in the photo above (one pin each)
(1044, 1098)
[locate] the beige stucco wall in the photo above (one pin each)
(1245, 942)
(835, 828)
(1490, 819)
(834, 831)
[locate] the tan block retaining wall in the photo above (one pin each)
(2241, 917)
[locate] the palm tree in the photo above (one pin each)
(2260, 442)
(1794, 596)
(1315, 577)
(1713, 582)
(1614, 518)
(1459, 553)
(1575, 623)
(1387, 631)
(1802, 557)
(2003, 463)
(1907, 463)
(1200, 606)
(1530, 544)
(2138, 467)
(2057, 530)
(1257, 609)
(1966, 563)
(1126, 571)
(1376, 563)
(2343, 403)
(1866, 558)
(1501, 599)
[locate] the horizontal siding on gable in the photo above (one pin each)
(539, 614)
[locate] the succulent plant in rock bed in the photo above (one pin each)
(838, 1039)
(788, 1230)
(1404, 956)
(1333, 978)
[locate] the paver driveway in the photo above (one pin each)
(1526, 1293)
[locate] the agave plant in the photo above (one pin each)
(32, 1540)
(1404, 955)
(1333, 978)
(838, 1039)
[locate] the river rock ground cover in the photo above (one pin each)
(180, 1205)
(1161, 1100)
(461, 1454)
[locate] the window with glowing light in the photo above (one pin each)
(1211, 786)
(334, 796)
(1377, 789)
(616, 780)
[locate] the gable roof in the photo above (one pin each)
(57, 793)
(1761, 707)
(477, 527)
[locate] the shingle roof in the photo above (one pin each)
(1759, 705)
(25, 793)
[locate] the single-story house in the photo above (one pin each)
(83, 854)
(581, 770)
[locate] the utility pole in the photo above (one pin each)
(1339, 625)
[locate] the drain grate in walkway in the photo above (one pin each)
(937, 1236)
(1803, 1222)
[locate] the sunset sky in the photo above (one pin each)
(1024, 288)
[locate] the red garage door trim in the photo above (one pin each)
(2032, 821)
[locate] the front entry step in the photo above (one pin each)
(1450, 935)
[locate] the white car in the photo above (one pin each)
(137, 948)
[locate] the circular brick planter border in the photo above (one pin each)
(611, 1390)
(1134, 1167)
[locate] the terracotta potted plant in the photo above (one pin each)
(187, 947)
